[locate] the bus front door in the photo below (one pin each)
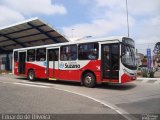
(110, 61)
(53, 63)
(22, 63)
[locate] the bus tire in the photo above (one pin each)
(89, 80)
(31, 75)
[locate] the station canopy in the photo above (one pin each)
(33, 32)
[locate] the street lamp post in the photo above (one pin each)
(72, 32)
(83, 37)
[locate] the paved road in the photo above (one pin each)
(135, 98)
(22, 97)
(16, 98)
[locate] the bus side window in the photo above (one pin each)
(53, 55)
(68, 52)
(41, 54)
(31, 55)
(63, 54)
(15, 56)
(88, 51)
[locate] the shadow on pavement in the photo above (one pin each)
(125, 86)
(70, 83)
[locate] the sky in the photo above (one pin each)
(97, 18)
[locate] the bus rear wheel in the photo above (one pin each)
(31, 75)
(89, 80)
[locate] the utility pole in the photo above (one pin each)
(127, 17)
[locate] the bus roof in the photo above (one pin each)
(87, 40)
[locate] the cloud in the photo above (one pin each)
(141, 7)
(98, 27)
(108, 17)
(13, 11)
(150, 27)
(31, 7)
(95, 28)
(144, 7)
(103, 23)
(9, 16)
(147, 33)
(111, 4)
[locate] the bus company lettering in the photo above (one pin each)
(69, 65)
(72, 65)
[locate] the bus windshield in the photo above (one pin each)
(128, 53)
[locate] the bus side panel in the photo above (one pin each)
(39, 69)
(16, 68)
(70, 75)
(126, 78)
(98, 76)
(40, 73)
(94, 66)
(56, 73)
(53, 73)
(74, 74)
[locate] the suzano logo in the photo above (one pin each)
(45, 63)
(61, 65)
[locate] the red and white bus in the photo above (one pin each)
(107, 60)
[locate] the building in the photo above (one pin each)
(32, 32)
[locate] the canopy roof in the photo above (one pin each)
(28, 33)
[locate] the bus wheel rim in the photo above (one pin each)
(31, 75)
(88, 79)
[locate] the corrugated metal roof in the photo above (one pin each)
(33, 32)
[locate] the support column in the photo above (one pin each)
(7, 65)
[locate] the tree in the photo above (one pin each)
(157, 48)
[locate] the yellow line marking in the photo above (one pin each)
(52, 79)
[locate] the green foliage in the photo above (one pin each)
(148, 73)
(144, 72)
(151, 74)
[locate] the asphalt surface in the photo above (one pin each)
(147, 106)
(136, 98)
(17, 97)
(24, 99)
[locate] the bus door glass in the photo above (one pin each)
(110, 61)
(53, 63)
(21, 63)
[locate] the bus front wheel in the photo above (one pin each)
(89, 80)
(31, 75)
